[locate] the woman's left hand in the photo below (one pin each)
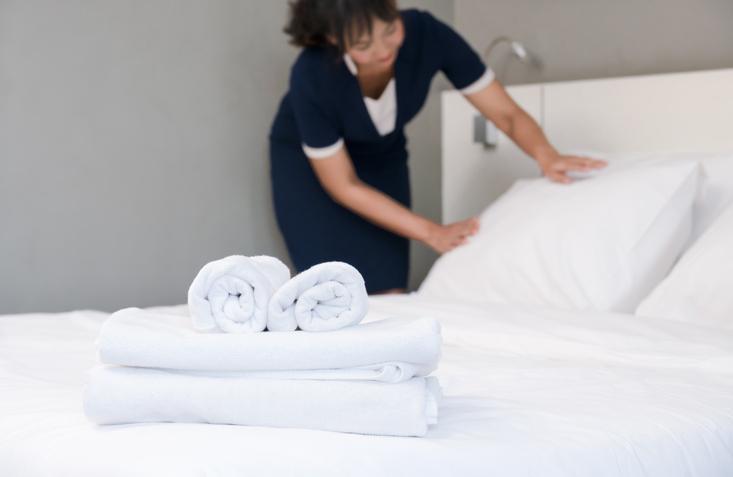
(556, 166)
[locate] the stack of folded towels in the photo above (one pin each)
(262, 349)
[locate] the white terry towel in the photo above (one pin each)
(390, 350)
(326, 297)
(232, 294)
(117, 395)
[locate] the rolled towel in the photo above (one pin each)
(326, 297)
(389, 350)
(118, 395)
(232, 294)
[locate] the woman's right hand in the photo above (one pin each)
(444, 238)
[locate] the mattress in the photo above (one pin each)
(528, 391)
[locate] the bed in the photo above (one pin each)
(528, 389)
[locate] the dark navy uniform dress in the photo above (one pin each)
(325, 105)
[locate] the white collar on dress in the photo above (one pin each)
(350, 64)
(382, 110)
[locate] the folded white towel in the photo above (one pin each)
(232, 294)
(326, 297)
(383, 372)
(117, 395)
(389, 350)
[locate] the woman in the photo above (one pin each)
(337, 146)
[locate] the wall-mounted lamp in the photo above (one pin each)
(484, 131)
(518, 49)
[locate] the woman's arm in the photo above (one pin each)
(337, 176)
(495, 104)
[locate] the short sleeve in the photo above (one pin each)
(318, 132)
(459, 62)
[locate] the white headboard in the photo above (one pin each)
(678, 112)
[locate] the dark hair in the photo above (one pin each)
(313, 21)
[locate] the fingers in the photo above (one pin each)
(576, 163)
(456, 243)
(475, 224)
(469, 227)
(464, 227)
(557, 171)
(587, 162)
(457, 234)
(558, 176)
(598, 164)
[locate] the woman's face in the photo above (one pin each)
(379, 50)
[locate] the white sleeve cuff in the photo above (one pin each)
(480, 83)
(323, 152)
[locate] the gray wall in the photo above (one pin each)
(133, 146)
(580, 39)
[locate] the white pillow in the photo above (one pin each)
(601, 243)
(700, 287)
(716, 191)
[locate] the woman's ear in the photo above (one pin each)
(332, 40)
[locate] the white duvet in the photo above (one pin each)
(527, 392)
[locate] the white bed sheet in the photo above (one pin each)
(528, 391)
